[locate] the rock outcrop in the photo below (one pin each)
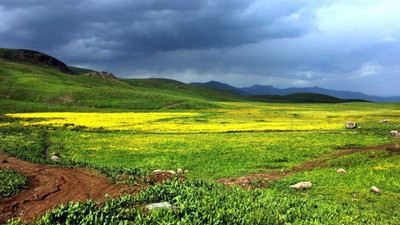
(36, 58)
(103, 74)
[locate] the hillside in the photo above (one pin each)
(34, 58)
(28, 87)
(301, 98)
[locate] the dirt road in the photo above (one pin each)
(50, 186)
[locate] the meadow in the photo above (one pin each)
(132, 127)
(230, 142)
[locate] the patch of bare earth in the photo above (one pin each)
(261, 179)
(50, 186)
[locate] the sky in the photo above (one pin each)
(343, 45)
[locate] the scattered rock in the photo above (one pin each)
(301, 186)
(376, 190)
(394, 134)
(341, 171)
(351, 125)
(55, 158)
(181, 171)
(164, 171)
(161, 205)
(102, 74)
(384, 121)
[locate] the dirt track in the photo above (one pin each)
(51, 186)
(246, 181)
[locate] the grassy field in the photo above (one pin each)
(136, 126)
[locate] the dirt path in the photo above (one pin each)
(246, 181)
(51, 186)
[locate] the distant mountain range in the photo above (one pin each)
(270, 90)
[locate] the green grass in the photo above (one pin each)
(79, 70)
(11, 182)
(208, 203)
(224, 136)
(206, 156)
(26, 87)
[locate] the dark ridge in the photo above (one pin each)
(34, 57)
(301, 98)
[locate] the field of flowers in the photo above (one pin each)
(229, 142)
(239, 139)
(237, 117)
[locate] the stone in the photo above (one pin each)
(376, 190)
(55, 158)
(301, 186)
(164, 171)
(341, 171)
(170, 171)
(394, 134)
(103, 74)
(160, 205)
(351, 125)
(384, 121)
(181, 171)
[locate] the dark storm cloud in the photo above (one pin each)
(148, 26)
(280, 42)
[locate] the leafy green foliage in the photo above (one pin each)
(199, 202)
(11, 182)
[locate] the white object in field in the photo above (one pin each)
(301, 186)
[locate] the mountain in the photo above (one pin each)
(220, 86)
(270, 90)
(300, 98)
(35, 58)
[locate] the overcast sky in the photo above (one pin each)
(345, 45)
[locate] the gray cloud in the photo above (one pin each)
(281, 42)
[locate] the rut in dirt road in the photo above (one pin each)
(50, 186)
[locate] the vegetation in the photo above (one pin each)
(79, 70)
(27, 87)
(133, 126)
(199, 202)
(11, 182)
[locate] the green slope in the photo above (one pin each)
(79, 70)
(301, 98)
(27, 87)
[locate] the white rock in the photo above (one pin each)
(301, 186)
(394, 134)
(341, 171)
(164, 171)
(55, 158)
(376, 190)
(159, 205)
(170, 171)
(181, 171)
(351, 125)
(384, 121)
